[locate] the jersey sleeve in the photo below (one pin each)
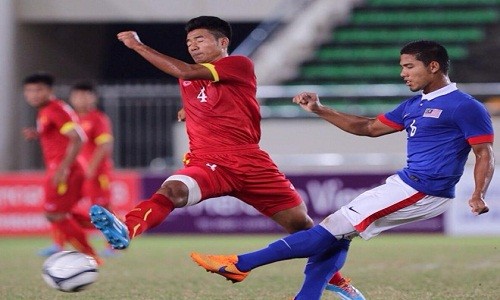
(394, 118)
(475, 122)
(62, 119)
(102, 129)
(232, 68)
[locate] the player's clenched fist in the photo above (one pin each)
(129, 39)
(478, 205)
(308, 101)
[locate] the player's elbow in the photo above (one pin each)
(374, 134)
(376, 129)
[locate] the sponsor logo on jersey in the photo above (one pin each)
(211, 166)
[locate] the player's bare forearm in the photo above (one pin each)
(167, 64)
(483, 173)
(170, 65)
(71, 153)
(99, 154)
(74, 146)
(357, 125)
(350, 123)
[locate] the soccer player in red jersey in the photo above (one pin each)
(97, 150)
(61, 139)
(223, 125)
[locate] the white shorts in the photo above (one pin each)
(389, 205)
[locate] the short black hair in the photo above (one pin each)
(83, 86)
(40, 77)
(218, 27)
(428, 51)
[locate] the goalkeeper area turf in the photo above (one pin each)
(391, 266)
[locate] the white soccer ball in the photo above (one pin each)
(69, 271)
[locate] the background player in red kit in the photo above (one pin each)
(97, 150)
(223, 126)
(61, 139)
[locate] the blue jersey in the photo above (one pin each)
(440, 128)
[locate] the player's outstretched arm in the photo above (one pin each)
(357, 125)
(167, 64)
(483, 172)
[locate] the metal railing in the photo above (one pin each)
(143, 115)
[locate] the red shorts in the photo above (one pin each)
(64, 197)
(249, 175)
(98, 189)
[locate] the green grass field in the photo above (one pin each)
(159, 267)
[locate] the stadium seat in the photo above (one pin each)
(366, 48)
(424, 17)
(425, 3)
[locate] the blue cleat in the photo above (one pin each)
(48, 251)
(115, 232)
(345, 290)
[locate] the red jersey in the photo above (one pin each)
(222, 113)
(97, 127)
(53, 121)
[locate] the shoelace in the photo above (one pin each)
(346, 286)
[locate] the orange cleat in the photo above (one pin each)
(223, 265)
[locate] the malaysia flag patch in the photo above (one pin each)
(432, 113)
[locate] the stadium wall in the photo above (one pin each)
(89, 11)
(21, 199)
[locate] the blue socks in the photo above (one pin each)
(301, 244)
(320, 268)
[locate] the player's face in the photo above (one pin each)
(37, 94)
(82, 101)
(204, 47)
(416, 75)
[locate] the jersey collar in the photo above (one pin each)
(442, 91)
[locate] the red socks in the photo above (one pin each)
(75, 235)
(83, 219)
(148, 214)
(57, 236)
(336, 279)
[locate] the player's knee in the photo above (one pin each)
(294, 219)
(302, 222)
(338, 225)
(176, 191)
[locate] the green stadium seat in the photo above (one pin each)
(432, 2)
(427, 17)
(364, 53)
(399, 35)
(366, 49)
(351, 71)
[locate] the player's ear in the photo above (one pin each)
(434, 66)
(224, 42)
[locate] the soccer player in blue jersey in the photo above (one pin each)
(442, 125)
